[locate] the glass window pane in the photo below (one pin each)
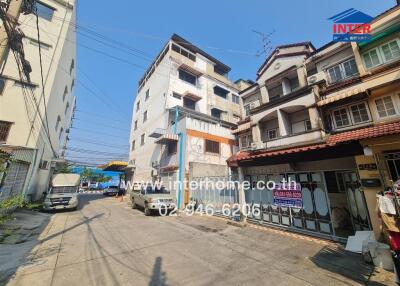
(350, 67)
(44, 11)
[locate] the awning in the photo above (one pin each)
(242, 127)
(116, 166)
(191, 70)
(192, 96)
(167, 138)
(339, 95)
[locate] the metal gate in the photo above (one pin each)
(214, 191)
(14, 180)
(315, 214)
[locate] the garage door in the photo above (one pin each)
(15, 179)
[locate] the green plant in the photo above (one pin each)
(11, 202)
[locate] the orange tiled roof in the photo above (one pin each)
(364, 133)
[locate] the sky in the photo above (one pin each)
(117, 40)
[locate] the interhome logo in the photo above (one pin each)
(351, 26)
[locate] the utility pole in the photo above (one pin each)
(12, 13)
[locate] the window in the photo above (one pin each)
(341, 117)
(71, 67)
(5, 128)
(384, 53)
(145, 116)
(385, 106)
(212, 146)
(147, 95)
(58, 122)
(391, 50)
(272, 134)
(138, 106)
(301, 126)
(189, 103)
(342, 71)
(66, 108)
(183, 52)
(172, 147)
(142, 140)
(188, 77)
(133, 145)
(61, 132)
(135, 125)
(247, 110)
(351, 115)
(235, 98)
(44, 11)
(72, 85)
(44, 164)
(216, 113)
(275, 92)
(220, 70)
(221, 92)
(246, 140)
(359, 113)
(176, 95)
(2, 85)
(371, 59)
(65, 93)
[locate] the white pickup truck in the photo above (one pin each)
(64, 192)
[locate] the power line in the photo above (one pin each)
(99, 116)
(103, 125)
(101, 133)
(94, 152)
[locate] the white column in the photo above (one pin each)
(284, 124)
(314, 117)
(264, 94)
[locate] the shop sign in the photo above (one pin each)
(285, 195)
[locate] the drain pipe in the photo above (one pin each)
(181, 138)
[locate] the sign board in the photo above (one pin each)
(287, 196)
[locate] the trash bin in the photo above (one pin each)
(381, 255)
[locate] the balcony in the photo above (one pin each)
(157, 133)
(293, 139)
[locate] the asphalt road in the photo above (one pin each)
(105, 242)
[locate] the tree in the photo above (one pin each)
(65, 168)
(101, 178)
(87, 174)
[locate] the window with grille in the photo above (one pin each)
(386, 52)
(272, 134)
(341, 117)
(352, 114)
(385, 106)
(135, 125)
(342, 71)
(5, 128)
(359, 113)
(212, 146)
(147, 95)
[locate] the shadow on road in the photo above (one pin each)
(340, 261)
(158, 277)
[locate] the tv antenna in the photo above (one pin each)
(266, 42)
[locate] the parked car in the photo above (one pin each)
(111, 191)
(152, 198)
(94, 186)
(63, 193)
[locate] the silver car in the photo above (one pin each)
(153, 199)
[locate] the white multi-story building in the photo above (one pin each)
(35, 119)
(186, 100)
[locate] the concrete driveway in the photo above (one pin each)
(105, 242)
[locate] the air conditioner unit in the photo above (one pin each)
(257, 145)
(254, 104)
(316, 78)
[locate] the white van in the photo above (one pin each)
(64, 192)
